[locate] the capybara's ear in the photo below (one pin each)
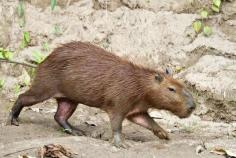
(159, 77)
(168, 71)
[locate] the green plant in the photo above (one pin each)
(17, 88)
(204, 14)
(5, 54)
(21, 13)
(27, 79)
(53, 4)
(25, 39)
(31, 72)
(207, 31)
(216, 5)
(57, 30)
(2, 82)
(38, 57)
(197, 26)
(45, 46)
(20, 9)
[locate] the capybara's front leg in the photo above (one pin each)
(143, 119)
(116, 120)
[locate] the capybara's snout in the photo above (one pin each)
(190, 103)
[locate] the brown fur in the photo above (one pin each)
(87, 74)
(92, 76)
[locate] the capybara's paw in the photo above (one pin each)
(161, 133)
(11, 120)
(119, 144)
(118, 141)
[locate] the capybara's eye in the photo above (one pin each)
(171, 89)
(159, 78)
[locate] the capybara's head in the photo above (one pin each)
(169, 94)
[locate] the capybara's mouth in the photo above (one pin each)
(185, 114)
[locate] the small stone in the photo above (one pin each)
(199, 149)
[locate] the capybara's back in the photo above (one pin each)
(87, 74)
(80, 72)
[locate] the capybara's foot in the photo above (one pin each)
(74, 132)
(161, 133)
(11, 120)
(118, 141)
(119, 144)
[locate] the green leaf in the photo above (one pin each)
(17, 88)
(25, 40)
(217, 3)
(5, 54)
(57, 30)
(21, 13)
(197, 25)
(22, 44)
(215, 8)
(1, 55)
(26, 36)
(20, 9)
(31, 72)
(45, 46)
(207, 31)
(178, 69)
(8, 55)
(27, 79)
(38, 57)
(53, 4)
(204, 14)
(2, 82)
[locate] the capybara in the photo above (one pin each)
(80, 72)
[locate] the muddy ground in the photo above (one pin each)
(157, 34)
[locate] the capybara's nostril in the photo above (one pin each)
(192, 106)
(190, 101)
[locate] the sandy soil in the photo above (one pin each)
(153, 33)
(38, 128)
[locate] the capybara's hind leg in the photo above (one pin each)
(28, 98)
(65, 109)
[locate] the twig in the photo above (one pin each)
(17, 62)
(18, 151)
(68, 3)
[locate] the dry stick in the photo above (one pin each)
(18, 151)
(68, 3)
(17, 62)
